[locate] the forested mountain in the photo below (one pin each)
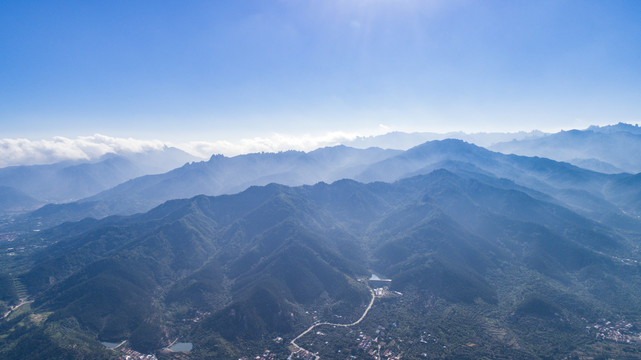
(269, 261)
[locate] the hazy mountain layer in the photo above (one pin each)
(14, 201)
(219, 175)
(592, 193)
(70, 181)
(404, 141)
(604, 197)
(607, 149)
(600, 196)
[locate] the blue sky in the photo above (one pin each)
(197, 70)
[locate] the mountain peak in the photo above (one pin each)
(447, 146)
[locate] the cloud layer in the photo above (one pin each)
(47, 151)
(88, 148)
(273, 143)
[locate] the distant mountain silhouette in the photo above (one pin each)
(14, 201)
(607, 149)
(403, 140)
(70, 181)
(593, 194)
(219, 175)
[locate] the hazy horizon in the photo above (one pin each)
(23, 151)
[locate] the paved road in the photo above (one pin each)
(300, 348)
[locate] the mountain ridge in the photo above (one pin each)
(597, 147)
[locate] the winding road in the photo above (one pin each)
(300, 348)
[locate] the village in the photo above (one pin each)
(11, 244)
(8, 236)
(266, 355)
(199, 316)
(621, 331)
(378, 347)
(372, 348)
(130, 354)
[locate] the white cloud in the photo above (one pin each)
(273, 143)
(47, 151)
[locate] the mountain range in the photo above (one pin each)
(219, 175)
(608, 149)
(103, 188)
(600, 196)
(485, 255)
(404, 140)
(262, 260)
